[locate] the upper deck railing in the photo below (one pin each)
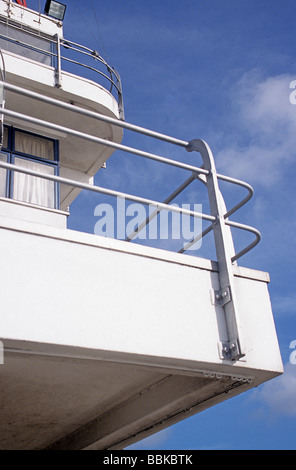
(61, 54)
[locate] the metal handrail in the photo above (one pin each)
(28, 46)
(95, 115)
(105, 142)
(134, 128)
(113, 76)
(141, 200)
(155, 213)
(228, 214)
(108, 192)
(247, 228)
(210, 228)
(159, 205)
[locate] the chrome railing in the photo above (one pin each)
(207, 174)
(62, 55)
(196, 172)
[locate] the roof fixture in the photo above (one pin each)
(55, 9)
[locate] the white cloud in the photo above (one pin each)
(284, 304)
(279, 394)
(266, 118)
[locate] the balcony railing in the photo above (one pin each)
(220, 224)
(62, 55)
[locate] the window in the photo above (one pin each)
(34, 152)
(25, 43)
(3, 176)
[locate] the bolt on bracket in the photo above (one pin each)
(229, 350)
(222, 297)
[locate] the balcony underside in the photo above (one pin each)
(106, 342)
(61, 398)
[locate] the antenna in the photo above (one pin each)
(98, 28)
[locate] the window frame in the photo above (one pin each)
(11, 153)
(5, 152)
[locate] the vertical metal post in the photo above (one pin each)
(120, 98)
(58, 72)
(2, 104)
(226, 297)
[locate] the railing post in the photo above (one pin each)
(119, 94)
(2, 104)
(226, 297)
(58, 66)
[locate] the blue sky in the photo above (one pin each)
(219, 71)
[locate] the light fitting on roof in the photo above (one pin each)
(55, 9)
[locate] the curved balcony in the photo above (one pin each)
(61, 54)
(58, 68)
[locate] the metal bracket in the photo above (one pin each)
(229, 350)
(223, 296)
(226, 297)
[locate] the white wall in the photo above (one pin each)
(85, 291)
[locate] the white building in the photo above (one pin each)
(84, 367)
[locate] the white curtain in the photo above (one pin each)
(29, 188)
(3, 158)
(32, 189)
(33, 145)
